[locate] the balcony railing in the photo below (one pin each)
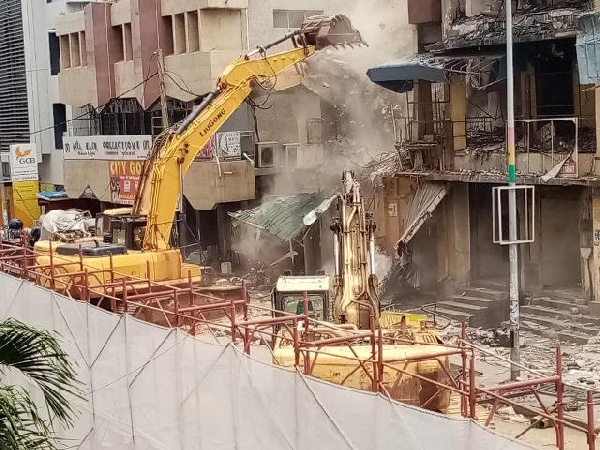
(547, 142)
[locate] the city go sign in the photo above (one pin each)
(23, 162)
(110, 148)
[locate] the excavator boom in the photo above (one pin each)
(160, 185)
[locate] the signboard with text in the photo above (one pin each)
(124, 181)
(23, 162)
(227, 145)
(110, 148)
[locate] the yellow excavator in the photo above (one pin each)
(411, 343)
(138, 243)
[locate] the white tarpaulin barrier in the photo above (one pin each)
(149, 387)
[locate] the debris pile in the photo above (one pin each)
(533, 23)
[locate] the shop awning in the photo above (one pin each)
(428, 196)
(400, 75)
(52, 196)
(287, 217)
(588, 48)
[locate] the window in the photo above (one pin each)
(294, 304)
(65, 52)
(119, 49)
(292, 19)
(193, 33)
(179, 38)
(166, 38)
(83, 48)
(54, 46)
(6, 170)
(128, 42)
(75, 49)
(59, 112)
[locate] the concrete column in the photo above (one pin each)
(595, 258)
(457, 244)
(597, 116)
(458, 112)
(586, 244)
(224, 238)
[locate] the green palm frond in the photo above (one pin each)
(21, 427)
(38, 355)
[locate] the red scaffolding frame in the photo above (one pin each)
(122, 294)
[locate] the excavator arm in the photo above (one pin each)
(160, 185)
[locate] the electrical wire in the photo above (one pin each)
(86, 114)
(186, 88)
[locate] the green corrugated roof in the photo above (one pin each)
(283, 216)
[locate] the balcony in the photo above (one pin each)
(171, 7)
(210, 183)
(77, 86)
(531, 24)
(126, 79)
(200, 69)
(70, 23)
(546, 149)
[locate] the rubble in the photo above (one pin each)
(528, 24)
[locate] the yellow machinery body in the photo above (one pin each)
(338, 364)
(164, 267)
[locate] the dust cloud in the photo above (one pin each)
(357, 119)
(359, 110)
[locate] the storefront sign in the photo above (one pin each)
(25, 202)
(226, 145)
(124, 181)
(107, 147)
(23, 162)
(568, 169)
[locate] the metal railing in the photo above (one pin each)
(190, 308)
(539, 136)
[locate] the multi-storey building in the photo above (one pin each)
(450, 133)
(111, 56)
(30, 109)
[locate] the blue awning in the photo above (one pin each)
(400, 75)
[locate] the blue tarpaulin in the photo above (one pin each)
(588, 48)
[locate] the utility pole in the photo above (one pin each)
(182, 220)
(163, 90)
(512, 199)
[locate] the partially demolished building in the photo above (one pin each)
(437, 207)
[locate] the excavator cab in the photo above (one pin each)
(119, 227)
(288, 295)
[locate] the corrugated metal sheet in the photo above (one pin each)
(588, 48)
(427, 198)
(283, 216)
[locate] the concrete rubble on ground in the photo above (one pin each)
(581, 363)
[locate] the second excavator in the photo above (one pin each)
(411, 352)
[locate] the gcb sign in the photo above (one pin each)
(23, 162)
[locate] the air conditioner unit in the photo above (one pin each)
(290, 153)
(267, 154)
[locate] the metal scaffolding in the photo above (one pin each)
(201, 312)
